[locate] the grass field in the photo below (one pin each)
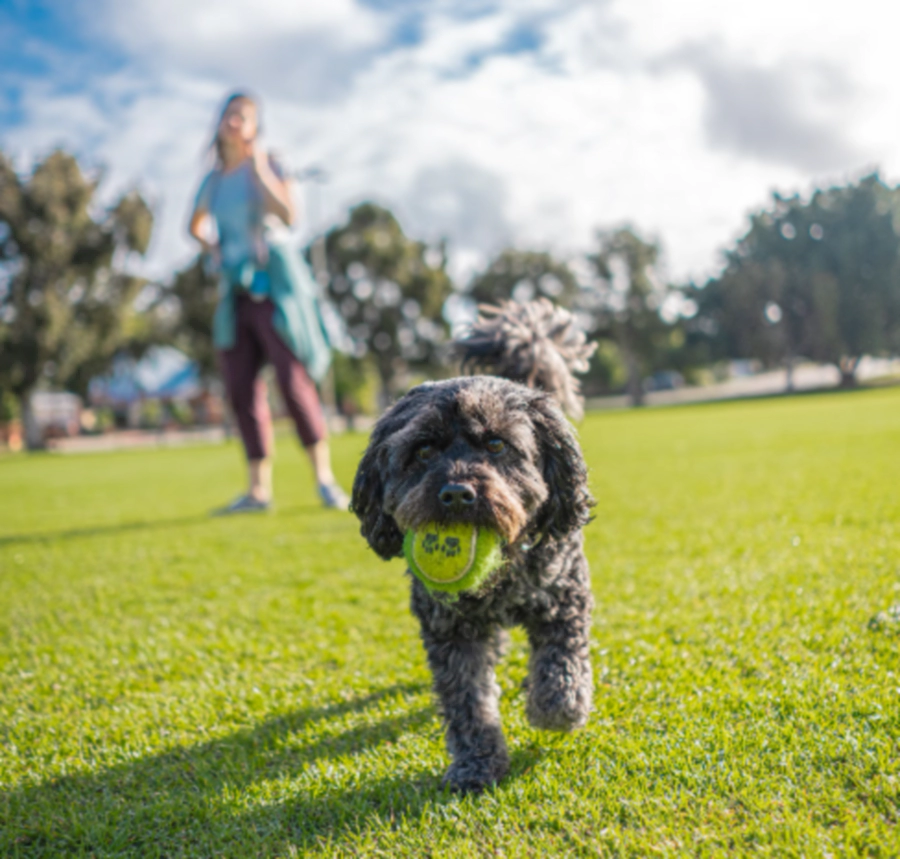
(176, 685)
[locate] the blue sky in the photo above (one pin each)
(513, 121)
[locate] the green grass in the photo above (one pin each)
(175, 685)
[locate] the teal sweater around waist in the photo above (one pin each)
(297, 317)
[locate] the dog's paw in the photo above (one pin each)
(563, 717)
(475, 774)
(559, 700)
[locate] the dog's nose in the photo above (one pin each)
(456, 496)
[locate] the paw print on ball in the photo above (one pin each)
(450, 547)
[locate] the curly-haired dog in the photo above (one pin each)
(496, 454)
(536, 343)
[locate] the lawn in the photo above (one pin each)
(177, 685)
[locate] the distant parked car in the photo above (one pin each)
(743, 367)
(664, 380)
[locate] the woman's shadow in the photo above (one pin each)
(170, 803)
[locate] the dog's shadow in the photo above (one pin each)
(169, 804)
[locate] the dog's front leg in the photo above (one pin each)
(463, 669)
(560, 680)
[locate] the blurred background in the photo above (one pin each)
(712, 190)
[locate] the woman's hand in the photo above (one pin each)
(260, 160)
(276, 192)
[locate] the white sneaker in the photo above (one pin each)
(334, 497)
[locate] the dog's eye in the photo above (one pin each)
(425, 452)
(496, 445)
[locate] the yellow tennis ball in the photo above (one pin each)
(453, 558)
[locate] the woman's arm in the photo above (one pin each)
(276, 191)
(199, 230)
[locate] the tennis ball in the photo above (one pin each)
(453, 558)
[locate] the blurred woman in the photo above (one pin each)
(267, 310)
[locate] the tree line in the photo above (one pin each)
(815, 278)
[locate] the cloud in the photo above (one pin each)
(460, 200)
(793, 113)
(307, 51)
(528, 121)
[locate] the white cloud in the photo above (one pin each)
(178, 26)
(669, 116)
(231, 35)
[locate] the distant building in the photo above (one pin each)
(56, 414)
(163, 373)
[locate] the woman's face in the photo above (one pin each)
(239, 121)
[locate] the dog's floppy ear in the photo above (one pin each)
(367, 502)
(379, 529)
(568, 506)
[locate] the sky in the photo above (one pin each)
(486, 122)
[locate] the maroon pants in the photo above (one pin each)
(257, 342)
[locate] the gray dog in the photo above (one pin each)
(500, 455)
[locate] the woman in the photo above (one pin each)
(267, 308)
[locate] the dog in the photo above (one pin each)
(536, 343)
(491, 452)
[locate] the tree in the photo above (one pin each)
(819, 279)
(390, 291)
(737, 315)
(606, 371)
(66, 297)
(626, 300)
(188, 324)
(523, 275)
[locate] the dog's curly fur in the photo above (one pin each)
(534, 493)
(536, 343)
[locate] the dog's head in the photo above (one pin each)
(481, 450)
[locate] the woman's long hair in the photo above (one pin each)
(215, 145)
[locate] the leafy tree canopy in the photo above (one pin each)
(625, 301)
(186, 313)
(524, 275)
(66, 296)
(390, 290)
(817, 278)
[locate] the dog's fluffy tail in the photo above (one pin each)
(536, 343)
